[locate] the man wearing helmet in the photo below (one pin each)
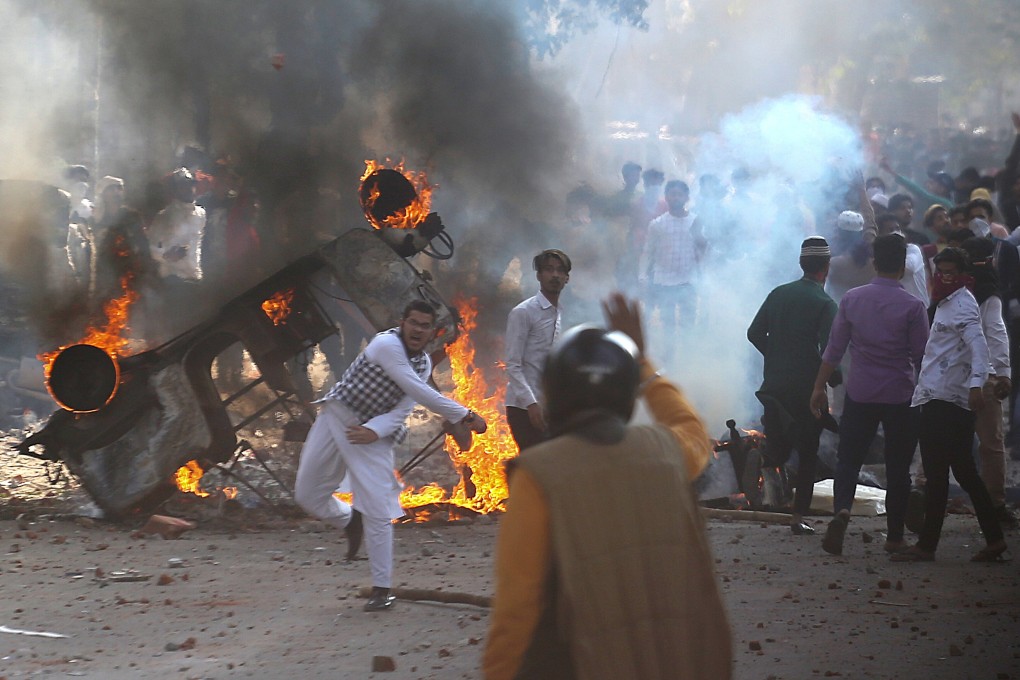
(531, 329)
(626, 590)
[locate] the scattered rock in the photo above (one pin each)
(167, 527)
(885, 584)
(754, 646)
(955, 651)
(866, 537)
(383, 664)
(164, 580)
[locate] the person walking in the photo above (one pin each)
(791, 329)
(885, 329)
(949, 392)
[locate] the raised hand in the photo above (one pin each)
(624, 315)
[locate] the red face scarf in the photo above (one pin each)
(944, 285)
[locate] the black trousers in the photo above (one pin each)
(947, 434)
(524, 433)
(780, 440)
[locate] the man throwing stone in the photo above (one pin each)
(361, 419)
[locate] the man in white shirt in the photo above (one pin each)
(669, 262)
(175, 243)
(915, 276)
(361, 419)
(953, 372)
(531, 329)
(175, 235)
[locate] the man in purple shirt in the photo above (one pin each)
(886, 329)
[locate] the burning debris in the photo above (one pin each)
(137, 426)
(481, 487)
(396, 202)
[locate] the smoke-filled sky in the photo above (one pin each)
(299, 93)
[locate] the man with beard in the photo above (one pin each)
(361, 419)
(628, 593)
(531, 329)
(902, 206)
(790, 330)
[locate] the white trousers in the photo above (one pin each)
(327, 459)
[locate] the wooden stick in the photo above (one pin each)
(747, 515)
(424, 594)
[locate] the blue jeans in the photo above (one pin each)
(857, 429)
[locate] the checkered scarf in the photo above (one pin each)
(369, 392)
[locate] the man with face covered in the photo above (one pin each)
(531, 329)
(361, 419)
(949, 392)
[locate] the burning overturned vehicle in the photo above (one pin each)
(131, 421)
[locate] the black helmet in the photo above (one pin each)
(590, 368)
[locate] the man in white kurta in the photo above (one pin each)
(361, 419)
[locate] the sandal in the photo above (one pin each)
(913, 554)
(992, 553)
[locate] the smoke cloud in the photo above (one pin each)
(298, 94)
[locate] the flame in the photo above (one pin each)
(188, 476)
(411, 216)
(485, 461)
(277, 306)
(108, 337)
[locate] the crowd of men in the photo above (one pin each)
(924, 312)
(197, 230)
(929, 318)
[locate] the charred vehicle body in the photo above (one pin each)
(128, 423)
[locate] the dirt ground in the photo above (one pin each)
(258, 597)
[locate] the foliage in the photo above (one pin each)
(550, 24)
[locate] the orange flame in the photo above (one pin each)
(188, 476)
(491, 450)
(109, 336)
(277, 306)
(409, 217)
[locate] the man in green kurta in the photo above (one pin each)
(791, 330)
